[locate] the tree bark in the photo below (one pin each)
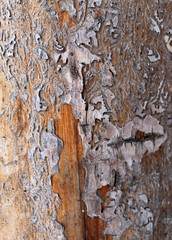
(85, 119)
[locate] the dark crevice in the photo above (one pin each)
(116, 179)
(140, 137)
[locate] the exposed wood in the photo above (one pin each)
(69, 183)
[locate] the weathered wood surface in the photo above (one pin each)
(85, 119)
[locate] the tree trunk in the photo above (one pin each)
(85, 119)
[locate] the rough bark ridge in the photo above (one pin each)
(85, 80)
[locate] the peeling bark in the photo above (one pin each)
(85, 119)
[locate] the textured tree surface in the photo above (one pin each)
(85, 119)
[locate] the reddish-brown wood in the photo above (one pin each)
(69, 183)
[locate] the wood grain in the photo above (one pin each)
(70, 180)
